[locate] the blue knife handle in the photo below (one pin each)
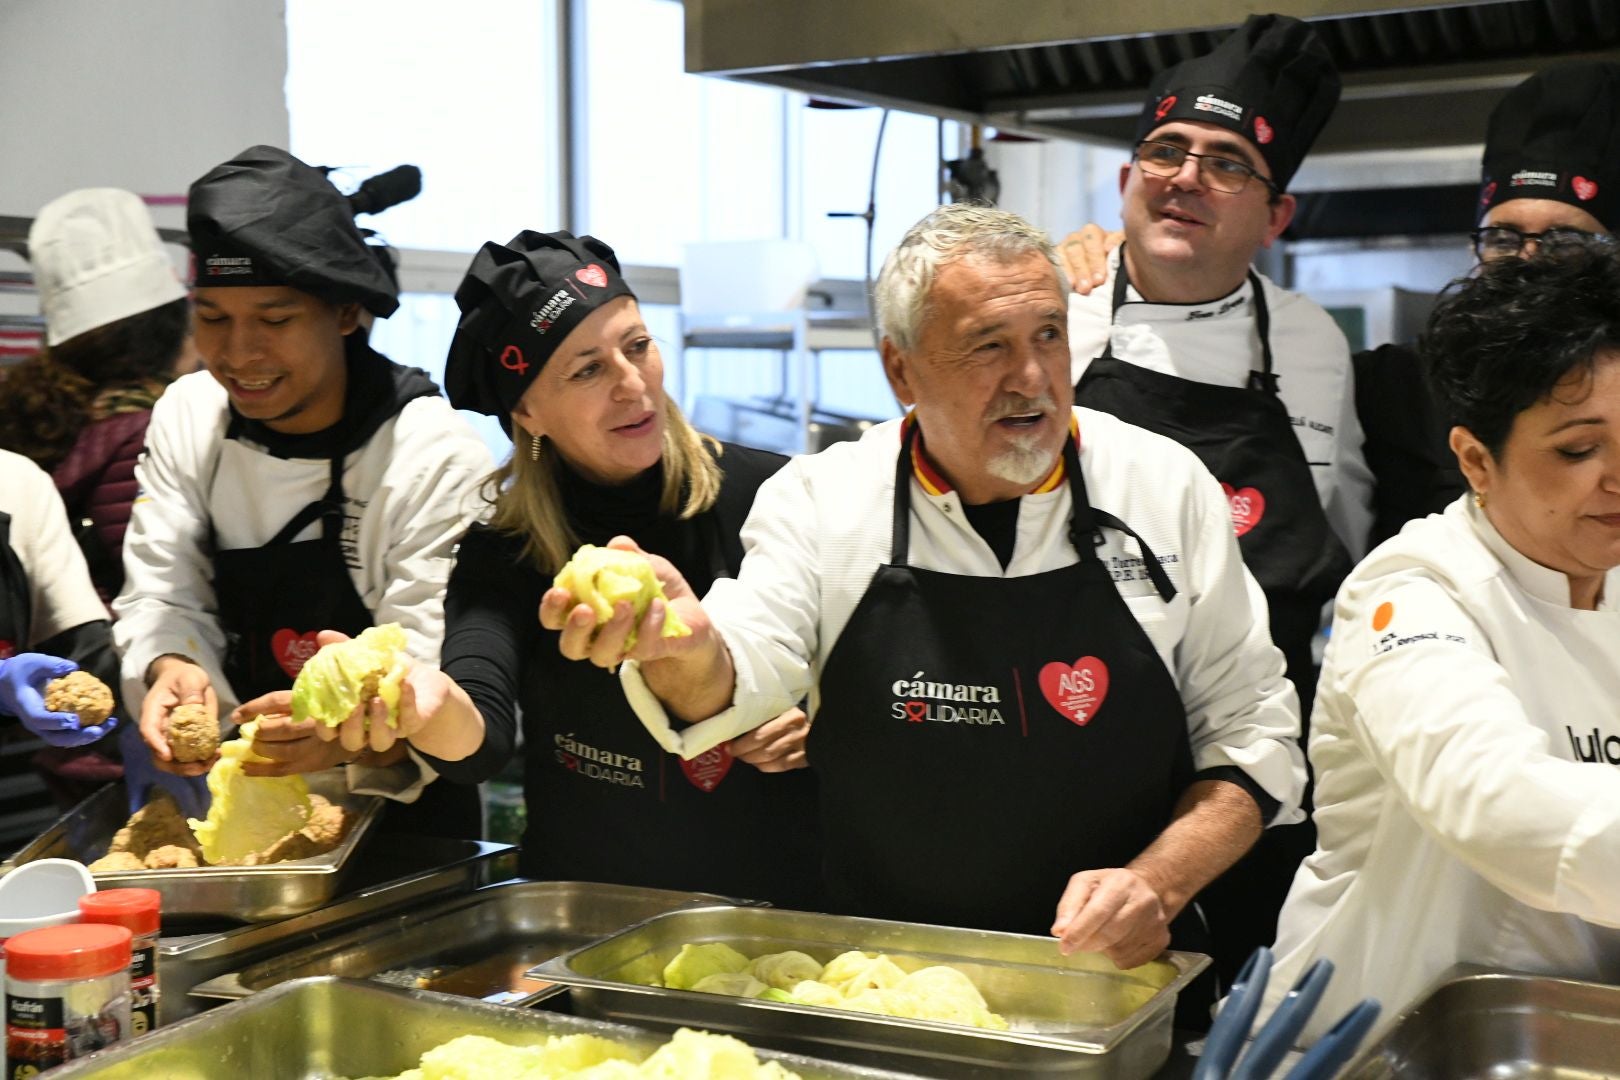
(1277, 1037)
(1334, 1049)
(1231, 1027)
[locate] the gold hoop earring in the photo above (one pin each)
(534, 448)
(1479, 499)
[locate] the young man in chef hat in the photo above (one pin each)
(303, 482)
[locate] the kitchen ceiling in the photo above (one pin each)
(1414, 75)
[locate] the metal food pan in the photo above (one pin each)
(1503, 1026)
(239, 893)
(477, 945)
(1072, 1015)
(329, 1027)
(393, 872)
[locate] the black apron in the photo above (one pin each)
(1243, 435)
(981, 739)
(273, 599)
(606, 803)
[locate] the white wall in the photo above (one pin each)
(140, 94)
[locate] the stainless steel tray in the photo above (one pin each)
(478, 945)
(392, 873)
(1503, 1026)
(242, 893)
(1070, 1015)
(329, 1027)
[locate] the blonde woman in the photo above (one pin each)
(552, 341)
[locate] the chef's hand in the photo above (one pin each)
(172, 681)
(1114, 912)
(435, 715)
(776, 745)
(22, 694)
(1085, 256)
(582, 639)
(141, 776)
(293, 748)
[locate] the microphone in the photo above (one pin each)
(399, 184)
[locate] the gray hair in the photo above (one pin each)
(948, 233)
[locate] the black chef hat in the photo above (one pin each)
(1271, 80)
(266, 218)
(519, 302)
(1557, 136)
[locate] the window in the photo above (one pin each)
(376, 83)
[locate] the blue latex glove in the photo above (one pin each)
(140, 774)
(22, 694)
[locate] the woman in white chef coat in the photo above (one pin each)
(1467, 726)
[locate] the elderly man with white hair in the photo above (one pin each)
(1043, 692)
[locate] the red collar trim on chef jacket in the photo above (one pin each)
(934, 482)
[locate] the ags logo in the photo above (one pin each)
(593, 275)
(709, 768)
(1485, 196)
(292, 649)
(1262, 131)
(1164, 106)
(1584, 189)
(1076, 690)
(1248, 506)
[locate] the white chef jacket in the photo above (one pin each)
(409, 495)
(821, 527)
(60, 594)
(1465, 739)
(1216, 342)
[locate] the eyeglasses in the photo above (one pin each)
(1219, 173)
(1501, 242)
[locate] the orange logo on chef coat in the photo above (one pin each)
(1383, 616)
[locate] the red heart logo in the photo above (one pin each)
(1584, 188)
(707, 769)
(1485, 196)
(1076, 690)
(1164, 106)
(593, 275)
(569, 761)
(1248, 507)
(292, 649)
(8, 649)
(916, 711)
(1262, 131)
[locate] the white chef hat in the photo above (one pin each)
(97, 259)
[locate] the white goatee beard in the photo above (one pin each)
(1025, 462)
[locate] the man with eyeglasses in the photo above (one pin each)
(1184, 338)
(1550, 183)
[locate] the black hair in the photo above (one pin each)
(47, 399)
(1500, 340)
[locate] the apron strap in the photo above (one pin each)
(1086, 523)
(1264, 380)
(328, 507)
(900, 542)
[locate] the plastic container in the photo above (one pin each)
(67, 995)
(136, 910)
(39, 894)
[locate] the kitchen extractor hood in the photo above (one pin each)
(1415, 75)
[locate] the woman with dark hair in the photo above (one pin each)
(116, 328)
(1467, 722)
(552, 341)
